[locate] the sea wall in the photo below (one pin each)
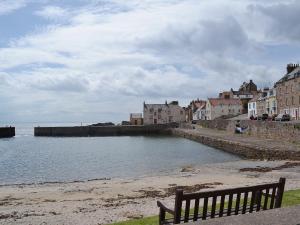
(286, 131)
(6, 132)
(244, 150)
(94, 131)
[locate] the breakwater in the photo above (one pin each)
(99, 131)
(6, 132)
(245, 150)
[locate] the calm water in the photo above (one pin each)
(29, 159)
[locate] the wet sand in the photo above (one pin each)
(106, 201)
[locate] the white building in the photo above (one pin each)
(252, 110)
(163, 113)
(271, 102)
(200, 113)
(198, 109)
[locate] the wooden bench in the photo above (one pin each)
(219, 203)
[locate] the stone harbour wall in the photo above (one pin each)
(94, 131)
(286, 131)
(244, 150)
(6, 132)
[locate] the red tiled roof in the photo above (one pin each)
(218, 101)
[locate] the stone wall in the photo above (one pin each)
(266, 129)
(85, 131)
(214, 124)
(244, 150)
(6, 132)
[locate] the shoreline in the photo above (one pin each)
(107, 201)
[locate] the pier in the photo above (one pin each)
(6, 132)
(101, 131)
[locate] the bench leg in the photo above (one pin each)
(162, 216)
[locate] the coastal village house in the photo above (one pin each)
(264, 103)
(271, 102)
(288, 92)
(136, 119)
(163, 113)
(252, 110)
(188, 113)
(220, 107)
(196, 110)
(245, 93)
(199, 113)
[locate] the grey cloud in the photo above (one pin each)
(63, 84)
(217, 36)
(284, 25)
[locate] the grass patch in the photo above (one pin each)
(290, 198)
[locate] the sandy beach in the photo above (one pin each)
(106, 201)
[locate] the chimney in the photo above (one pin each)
(290, 67)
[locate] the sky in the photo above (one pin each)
(99, 60)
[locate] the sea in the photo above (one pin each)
(26, 159)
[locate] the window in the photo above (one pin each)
(181, 112)
(151, 110)
(293, 100)
(286, 101)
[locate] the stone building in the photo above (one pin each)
(136, 119)
(188, 113)
(163, 113)
(263, 103)
(258, 104)
(222, 107)
(288, 92)
(246, 92)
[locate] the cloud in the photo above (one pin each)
(112, 54)
(8, 6)
(282, 20)
(53, 13)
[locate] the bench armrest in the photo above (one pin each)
(164, 208)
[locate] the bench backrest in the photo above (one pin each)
(231, 201)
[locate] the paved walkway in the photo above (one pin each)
(282, 216)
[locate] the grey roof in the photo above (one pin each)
(295, 73)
